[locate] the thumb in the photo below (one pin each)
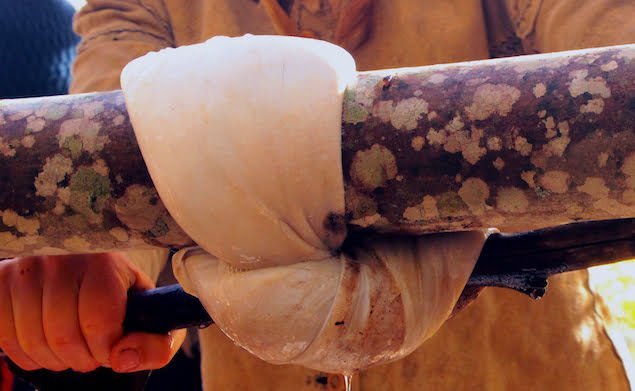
(142, 351)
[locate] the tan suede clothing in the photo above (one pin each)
(504, 341)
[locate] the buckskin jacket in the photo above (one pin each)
(504, 340)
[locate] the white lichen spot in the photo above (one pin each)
(77, 244)
(54, 171)
(407, 113)
(610, 206)
(609, 66)
(455, 124)
(64, 195)
(18, 115)
(119, 234)
(626, 54)
(100, 167)
(9, 218)
(86, 130)
(494, 143)
(595, 187)
(426, 210)
(436, 137)
(30, 240)
(119, 179)
(550, 125)
(603, 157)
(492, 99)
(417, 143)
(28, 141)
(35, 124)
(138, 208)
(499, 163)
(437, 78)
(563, 127)
(557, 146)
(6, 149)
(523, 146)
(555, 181)
(382, 110)
(580, 84)
(10, 242)
(366, 221)
(466, 142)
(529, 177)
(512, 200)
(472, 152)
(59, 208)
(628, 168)
(432, 115)
(629, 196)
(53, 111)
(91, 109)
(373, 167)
(476, 81)
(27, 226)
(417, 93)
(540, 90)
(595, 106)
(118, 120)
(542, 113)
(474, 192)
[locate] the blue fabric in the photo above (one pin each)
(37, 47)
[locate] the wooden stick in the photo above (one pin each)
(518, 144)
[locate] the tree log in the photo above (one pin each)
(519, 144)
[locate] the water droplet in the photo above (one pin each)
(348, 381)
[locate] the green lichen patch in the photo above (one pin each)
(89, 193)
(373, 167)
(160, 228)
(450, 204)
(74, 146)
(53, 112)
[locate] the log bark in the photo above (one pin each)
(518, 144)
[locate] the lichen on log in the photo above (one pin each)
(72, 179)
(518, 144)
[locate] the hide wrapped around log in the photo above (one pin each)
(520, 143)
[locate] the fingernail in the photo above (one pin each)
(127, 360)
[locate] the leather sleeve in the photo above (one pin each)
(555, 25)
(575, 24)
(114, 32)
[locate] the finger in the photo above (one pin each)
(8, 337)
(142, 351)
(102, 305)
(26, 294)
(138, 280)
(61, 317)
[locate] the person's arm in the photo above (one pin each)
(575, 24)
(555, 25)
(114, 32)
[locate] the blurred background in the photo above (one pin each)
(77, 3)
(37, 47)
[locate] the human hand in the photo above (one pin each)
(61, 312)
